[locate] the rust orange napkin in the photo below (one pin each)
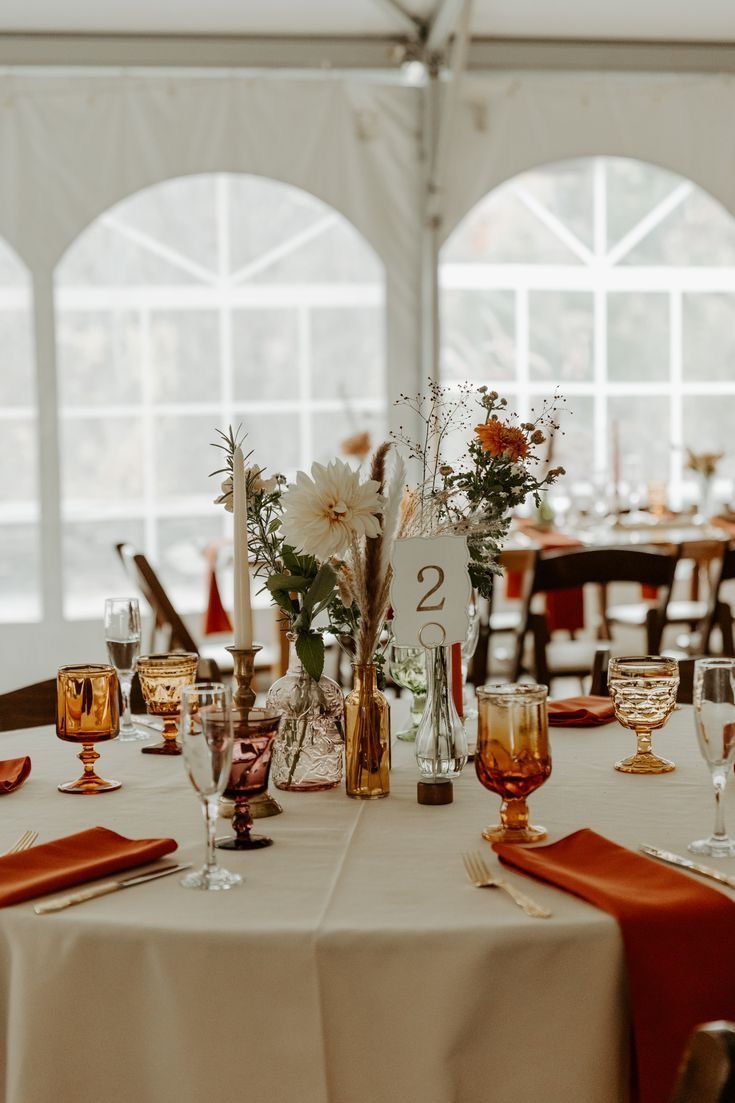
(677, 933)
(72, 860)
(13, 772)
(581, 712)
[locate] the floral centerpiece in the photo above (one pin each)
(495, 469)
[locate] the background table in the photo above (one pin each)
(354, 965)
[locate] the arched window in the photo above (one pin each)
(19, 558)
(200, 302)
(614, 280)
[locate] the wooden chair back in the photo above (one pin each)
(570, 569)
(707, 1072)
(520, 561)
(719, 612)
(30, 707)
(151, 587)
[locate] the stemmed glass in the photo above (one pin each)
(122, 635)
(407, 668)
(255, 731)
(714, 713)
(205, 729)
(643, 691)
(469, 647)
(513, 757)
(87, 713)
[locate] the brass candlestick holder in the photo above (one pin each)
(243, 698)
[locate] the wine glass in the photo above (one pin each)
(205, 728)
(87, 712)
(122, 635)
(162, 678)
(254, 733)
(714, 714)
(643, 691)
(513, 757)
(407, 668)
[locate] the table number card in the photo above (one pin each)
(431, 590)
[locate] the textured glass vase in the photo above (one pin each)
(367, 740)
(441, 741)
(307, 753)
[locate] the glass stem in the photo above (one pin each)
(210, 816)
(644, 742)
(719, 780)
(125, 686)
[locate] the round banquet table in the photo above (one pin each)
(355, 964)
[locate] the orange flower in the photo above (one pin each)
(502, 440)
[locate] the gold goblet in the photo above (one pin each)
(513, 757)
(162, 678)
(87, 713)
(643, 691)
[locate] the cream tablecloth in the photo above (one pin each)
(355, 964)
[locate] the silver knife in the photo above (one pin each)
(61, 902)
(687, 863)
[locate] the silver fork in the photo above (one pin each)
(26, 840)
(481, 878)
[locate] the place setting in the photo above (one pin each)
(367, 551)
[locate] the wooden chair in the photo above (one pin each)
(706, 558)
(707, 1072)
(563, 570)
(272, 658)
(720, 613)
(502, 622)
(30, 707)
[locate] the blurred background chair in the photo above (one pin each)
(566, 570)
(271, 660)
(707, 1073)
(703, 558)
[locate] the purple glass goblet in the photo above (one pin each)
(254, 732)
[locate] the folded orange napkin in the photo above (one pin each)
(13, 772)
(72, 860)
(581, 712)
(677, 933)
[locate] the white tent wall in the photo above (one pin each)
(506, 124)
(73, 145)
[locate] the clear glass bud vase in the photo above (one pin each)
(307, 752)
(367, 741)
(441, 741)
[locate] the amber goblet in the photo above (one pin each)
(643, 691)
(162, 678)
(255, 731)
(513, 757)
(87, 712)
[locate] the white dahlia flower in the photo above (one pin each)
(323, 513)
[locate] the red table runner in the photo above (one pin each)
(678, 935)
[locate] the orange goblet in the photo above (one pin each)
(513, 757)
(162, 678)
(87, 712)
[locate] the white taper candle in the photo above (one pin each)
(243, 611)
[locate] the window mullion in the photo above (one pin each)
(49, 476)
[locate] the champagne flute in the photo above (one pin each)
(643, 691)
(513, 757)
(714, 714)
(122, 635)
(205, 729)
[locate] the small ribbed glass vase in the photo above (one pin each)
(307, 753)
(367, 740)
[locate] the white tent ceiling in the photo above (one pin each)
(662, 20)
